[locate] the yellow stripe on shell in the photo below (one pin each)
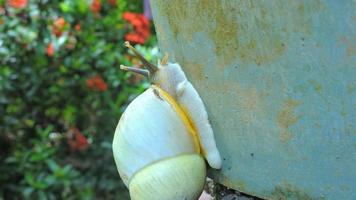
(182, 115)
(202, 151)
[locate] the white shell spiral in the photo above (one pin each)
(159, 135)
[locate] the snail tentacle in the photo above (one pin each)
(136, 70)
(152, 68)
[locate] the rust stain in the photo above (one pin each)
(251, 103)
(225, 32)
(349, 44)
(251, 99)
(317, 86)
(240, 30)
(287, 191)
(350, 88)
(238, 184)
(243, 31)
(246, 103)
(351, 50)
(286, 118)
(194, 69)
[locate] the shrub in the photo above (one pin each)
(61, 95)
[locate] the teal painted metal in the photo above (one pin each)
(278, 79)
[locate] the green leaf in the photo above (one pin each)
(65, 6)
(29, 179)
(52, 165)
(27, 192)
(69, 114)
(29, 122)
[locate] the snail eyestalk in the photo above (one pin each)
(151, 68)
(143, 72)
(165, 59)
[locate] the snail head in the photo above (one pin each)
(150, 69)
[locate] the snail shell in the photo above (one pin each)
(156, 149)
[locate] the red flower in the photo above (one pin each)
(17, 3)
(58, 26)
(77, 27)
(95, 6)
(135, 37)
(97, 83)
(141, 26)
(2, 10)
(112, 2)
(76, 140)
(50, 50)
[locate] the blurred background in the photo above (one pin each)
(62, 94)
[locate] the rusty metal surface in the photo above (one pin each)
(278, 79)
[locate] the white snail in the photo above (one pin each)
(163, 135)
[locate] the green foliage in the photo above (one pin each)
(45, 98)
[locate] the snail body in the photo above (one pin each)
(163, 136)
(189, 100)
